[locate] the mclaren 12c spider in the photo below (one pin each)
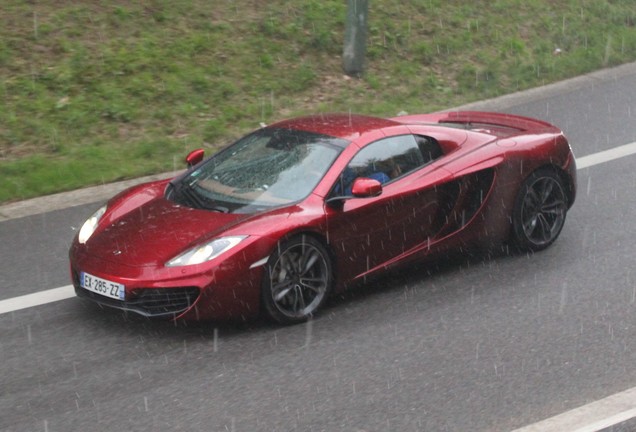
(287, 215)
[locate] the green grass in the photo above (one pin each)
(93, 92)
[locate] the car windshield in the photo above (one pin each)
(268, 168)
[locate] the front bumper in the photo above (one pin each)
(223, 291)
(148, 302)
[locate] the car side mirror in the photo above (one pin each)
(366, 187)
(194, 157)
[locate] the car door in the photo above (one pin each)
(369, 233)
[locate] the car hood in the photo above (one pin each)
(156, 231)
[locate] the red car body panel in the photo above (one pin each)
(462, 198)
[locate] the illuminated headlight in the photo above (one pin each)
(205, 252)
(89, 226)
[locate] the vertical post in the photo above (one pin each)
(355, 37)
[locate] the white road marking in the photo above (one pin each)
(36, 299)
(588, 418)
(606, 156)
(592, 417)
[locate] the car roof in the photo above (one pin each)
(345, 126)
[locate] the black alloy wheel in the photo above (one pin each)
(540, 210)
(297, 281)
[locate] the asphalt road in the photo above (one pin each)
(476, 344)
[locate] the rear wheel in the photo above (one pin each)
(297, 280)
(540, 209)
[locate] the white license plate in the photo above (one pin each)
(102, 286)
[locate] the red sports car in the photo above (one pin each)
(292, 212)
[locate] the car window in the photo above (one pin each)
(429, 147)
(387, 159)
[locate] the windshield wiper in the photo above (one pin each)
(192, 196)
(185, 193)
(182, 193)
(200, 201)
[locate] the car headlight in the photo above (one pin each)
(205, 252)
(89, 226)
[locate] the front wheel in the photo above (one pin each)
(297, 280)
(540, 209)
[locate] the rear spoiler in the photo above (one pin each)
(479, 120)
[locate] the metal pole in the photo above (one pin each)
(355, 37)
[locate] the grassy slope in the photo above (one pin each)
(97, 91)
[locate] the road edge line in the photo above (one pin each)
(612, 410)
(36, 299)
(606, 155)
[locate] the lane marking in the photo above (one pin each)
(36, 299)
(611, 411)
(606, 156)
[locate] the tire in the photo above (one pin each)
(297, 281)
(540, 209)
